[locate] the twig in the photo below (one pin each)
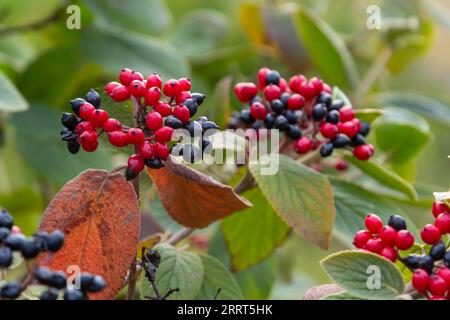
(248, 182)
(180, 235)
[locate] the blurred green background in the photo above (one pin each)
(43, 65)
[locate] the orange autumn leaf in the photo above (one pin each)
(192, 198)
(99, 214)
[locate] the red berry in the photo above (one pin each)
(341, 165)
(147, 150)
(296, 102)
(245, 91)
(152, 96)
(125, 76)
(430, 234)
(303, 145)
(120, 93)
(437, 286)
(295, 82)
(90, 147)
(171, 88)
(182, 112)
(443, 223)
(109, 88)
(387, 235)
(84, 126)
(373, 223)
(361, 238)
(436, 298)
(326, 88)
(404, 240)
(118, 139)
(374, 245)
(86, 110)
(346, 114)
(420, 280)
(317, 84)
(185, 84)
(283, 85)
(137, 88)
(362, 152)
(307, 90)
(389, 253)
(262, 73)
(154, 120)
(182, 96)
(163, 108)
(329, 130)
(136, 163)
(98, 118)
(136, 76)
(162, 150)
(439, 207)
(135, 136)
(348, 128)
(357, 124)
(272, 92)
(258, 111)
(154, 80)
(111, 125)
(371, 149)
(164, 134)
(88, 137)
(444, 273)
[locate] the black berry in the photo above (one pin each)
(75, 104)
(233, 123)
(173, 122)
(277, 106)
(14, 241)
(73, 146)
(333, 117)
(412, 261)
(43, 275)
(130, 174)
(324, 98)
(337, 105)
(426, 263)
(397, 222)
(74, 294)
(365, 128)
(207, 125)
(191, 104)
(291, 116)
(154, 163)
(205, 143)
(447, 259)
(340, 141)
(358, 140)
(273, 77)
(4, 233)
(55, 241)
(86, 280)
(6, 220)
(98, 284)
(258, 124)
(30, 248)
(269, 121)
(6, 257)
(194, 128)
(281, 123)
(198, 97)
(294, 132)
(246, 117)
(68, 135)
(284, 98)
(11, 290)
(69, 120)
(93, 98)
(58, 280)
(437, 251)
(327, 149)
(319, 112)
(50, 294)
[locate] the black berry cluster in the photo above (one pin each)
(156, 118)
(12, 240)
(302, 109)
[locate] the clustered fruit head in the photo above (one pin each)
(304, 110)
(164, 107)
(384, 240)
(431, 263)
(12, 240)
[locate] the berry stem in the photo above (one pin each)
(180, 235)
(247, 183)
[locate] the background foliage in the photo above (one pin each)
(402, 68)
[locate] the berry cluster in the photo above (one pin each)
(302, 109)
(156, 119)
(12, 240)
(385, 240)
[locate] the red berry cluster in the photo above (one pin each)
(157, 118)
(302, 109)
(385, 240)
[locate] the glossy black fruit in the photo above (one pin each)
(75, 104)
(30, 248)
(198, 97)
(426, 262)
(194, 128)
(277, 106)
(294, 132)
(4, 233)
(412, 261)
(397, 222)
(327, 149)
(97, 284)
(281, 123)
(269, 121)
(69, 120)
(6, 257)
(73, 146)
(6, 220)
(14, 241)
(55, 241)
(340, 141)
(246, 117)
(11, 290)
(74, 294)
(437, 251)
(333, 117)
(154, 163)
(365, 128)
(273, 77)
(50, 294)
(324, 98)
(319, 112)
(191, 104)
(291, 116)
(93, 98)
(173, 122)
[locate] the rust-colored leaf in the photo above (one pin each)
(99, 213)
(192, 198)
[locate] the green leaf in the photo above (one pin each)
(340, 296)
(384, 176)
(177, 269)
(70, 59)
(17, 13)
(338, 94)
(251, 21)
(56, 163)
(353, 203)
(257, 281)
(253, 234)
(327, 50)
(10, 98)
(425, 106)
(216, 277)
(282, 31)
(368, 115)
(401, 133)
(199, 32)
(146, 16)
(114, 49)
(302, 197)
(351, 270)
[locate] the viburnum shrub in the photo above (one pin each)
(305, 111)
(15, 247)
(159, 109)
